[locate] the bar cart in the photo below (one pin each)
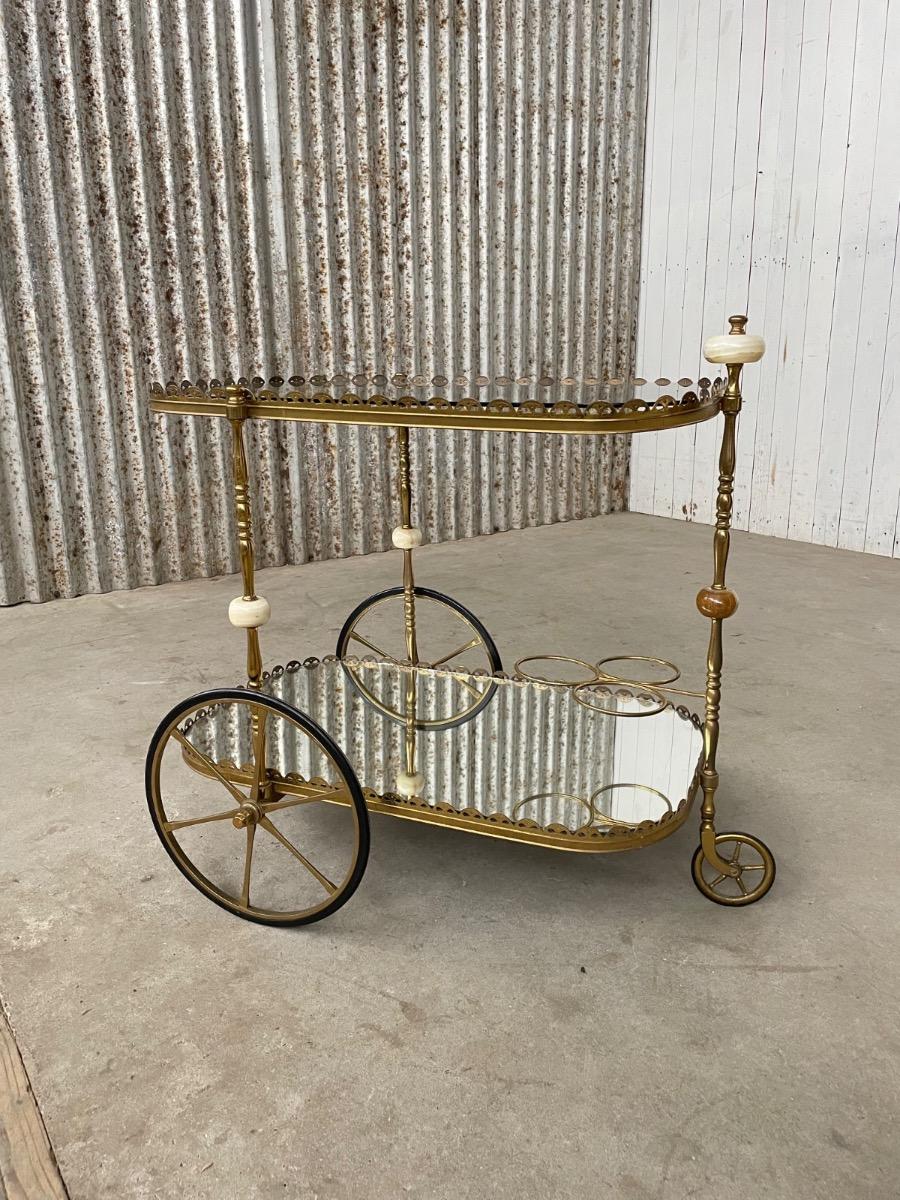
(261, 793)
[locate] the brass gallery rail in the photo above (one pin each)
(413, 715)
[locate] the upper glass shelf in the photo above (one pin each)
(524, 403)
(597, 768)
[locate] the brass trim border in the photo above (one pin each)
(608, 839)
(665, 412)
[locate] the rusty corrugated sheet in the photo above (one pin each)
(194, 188)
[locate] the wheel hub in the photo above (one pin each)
(247, 814)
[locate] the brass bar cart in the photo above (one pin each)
(261, 794)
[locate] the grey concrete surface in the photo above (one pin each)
(438, 1037)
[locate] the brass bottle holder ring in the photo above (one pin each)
(584, 692)
(673, 677)
(558, 796)
(600, 680)
(595, 816)
(642, 787)
(593, 674)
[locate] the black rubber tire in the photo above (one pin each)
(429, 594)
(216, 695)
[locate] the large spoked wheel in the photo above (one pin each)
(448, 636)
(755, 874)
(257, 807)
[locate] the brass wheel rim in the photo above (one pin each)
(249, 811)
(354, 664)
(756, 875)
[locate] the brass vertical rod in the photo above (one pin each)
(244, 523)
(410, 710)
(406, 521)
(709, 777)
(409, 582)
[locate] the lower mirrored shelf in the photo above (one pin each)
(533, 761)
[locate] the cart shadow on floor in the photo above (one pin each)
(499, 877)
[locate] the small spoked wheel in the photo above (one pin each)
(754, 876)
(448, 636)
(257, 807)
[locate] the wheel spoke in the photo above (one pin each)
(313, 798)
(371, 645)
(439, 662)
(276, 833)
(741, 885)
(470, 687)
(171, 826)
(248, 861)
(753, 866)
(259, 751)
(210, 766)
(718, 879)
(736, 856)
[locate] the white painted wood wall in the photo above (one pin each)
(772, 187)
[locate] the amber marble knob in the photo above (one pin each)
(716, 602)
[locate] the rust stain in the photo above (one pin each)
(423, 188)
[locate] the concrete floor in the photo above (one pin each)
(482, 1019)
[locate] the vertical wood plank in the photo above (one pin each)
(874, 313)
(697, 186)
(742, 31)
(678, 207)
(808, 401)
(850, 283)
(797, 224)
(643, 448)
(28, 1169)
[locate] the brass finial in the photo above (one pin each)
(738, 324)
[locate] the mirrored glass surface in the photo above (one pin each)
(572, 758)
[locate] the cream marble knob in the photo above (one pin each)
(406, 539)
(249, 614)
(734, 348)
(410, 785)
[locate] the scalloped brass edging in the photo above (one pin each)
(529, 416)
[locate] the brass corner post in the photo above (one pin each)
(236, 413)
(409, 595)
(717, 603)
(406, 526)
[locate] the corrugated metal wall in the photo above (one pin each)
(196, 188)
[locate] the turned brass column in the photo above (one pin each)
(409, 583)
(244, 523)
(409, 597)
(718, 602)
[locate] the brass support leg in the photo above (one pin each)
(717, 603)
(405, 539)
(244, 524)
(709, 776)
(744, 866)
